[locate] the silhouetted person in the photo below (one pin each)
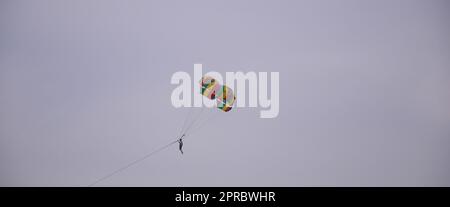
(180, 142)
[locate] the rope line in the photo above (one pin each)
(201, 124)
(185, 122)
(132, 163)
(160, 149)
(193, 121)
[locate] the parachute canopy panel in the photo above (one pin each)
(213, 90)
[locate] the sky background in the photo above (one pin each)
(364, 92)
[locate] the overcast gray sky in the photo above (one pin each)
(364, 92)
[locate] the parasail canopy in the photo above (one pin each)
(213, 90)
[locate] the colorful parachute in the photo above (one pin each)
(213, 90)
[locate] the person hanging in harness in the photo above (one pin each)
(180, 142)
